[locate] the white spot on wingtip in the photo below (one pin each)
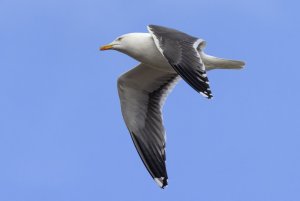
(206, 95)
(203, 94)
(159, 181)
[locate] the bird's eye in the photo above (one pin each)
(119, 39)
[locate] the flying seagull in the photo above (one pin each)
(165, 56)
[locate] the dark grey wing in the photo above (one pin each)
(142, 93)
(181, 51)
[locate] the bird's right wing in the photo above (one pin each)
(142, 93)
(181, 51)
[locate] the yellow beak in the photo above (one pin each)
(106, 47)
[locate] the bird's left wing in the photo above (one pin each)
(142, 93)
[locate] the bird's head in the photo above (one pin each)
(128, 43)
(118, 43)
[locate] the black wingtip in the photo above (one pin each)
(165, 183)
(206, 94)
(210, 97)
(162, 182)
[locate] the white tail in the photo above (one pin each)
(212, 62)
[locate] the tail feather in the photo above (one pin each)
(212, 62)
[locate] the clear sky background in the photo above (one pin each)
(62, 136)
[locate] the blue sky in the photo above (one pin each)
(62, 136)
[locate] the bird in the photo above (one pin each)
(166, 55)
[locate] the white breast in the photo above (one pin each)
(143, 49)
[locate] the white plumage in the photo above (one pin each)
(166, 55)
